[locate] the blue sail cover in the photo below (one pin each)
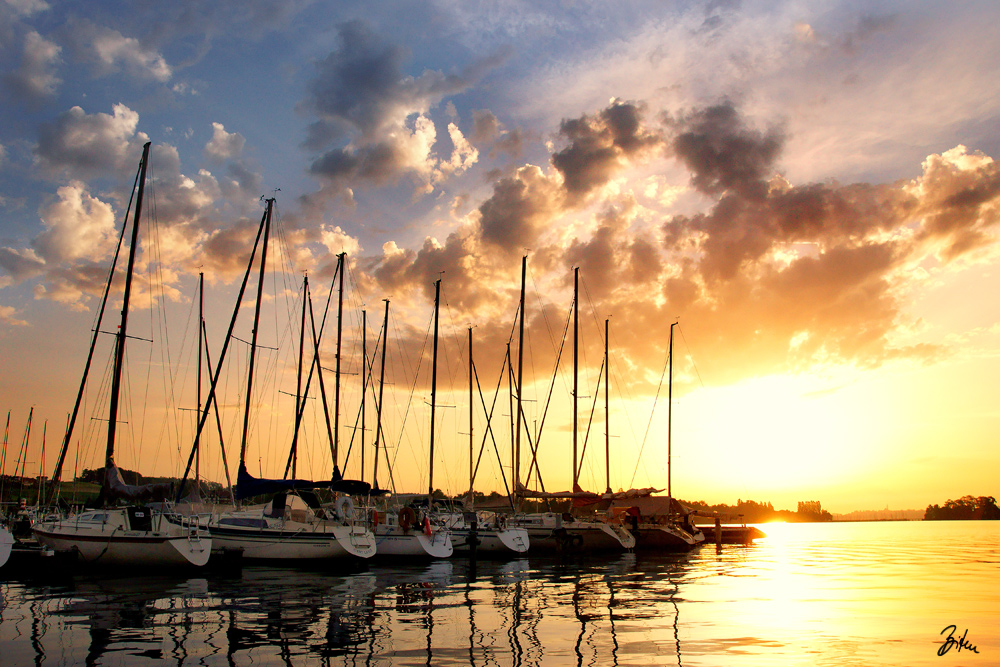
(248, 486)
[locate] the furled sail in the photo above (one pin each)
(248, 486)
(115, 487)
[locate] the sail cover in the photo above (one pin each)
(248, 486)
(115, 487)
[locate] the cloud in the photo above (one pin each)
(80, 145)
(601, 145)
(372, 123)
(408, 149)
(35, 79)
(724, 154)
(224, 145)
(960, 200)
(76, 225)
(519, 209)
(9, 316)
(27, 7)
(770, 277)
(361, 87)
(21, 264)
(109, 52)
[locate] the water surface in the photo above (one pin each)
(809, 594)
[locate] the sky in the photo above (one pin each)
(809, 189)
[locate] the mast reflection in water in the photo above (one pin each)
(841, 594)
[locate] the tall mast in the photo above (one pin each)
(336, 391)
(299, 399)
(122, 328)
(381, 387)
(509, 372)
(253, 339)
(670, 406)
(57, 474)
(3, 455)
(520, 376)
(364, 383)
(576, 361)
(210, 400)
(471, 444)
(41, 464)
(434, 379)
(201, 340)
(607, 410)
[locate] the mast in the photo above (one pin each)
(253, 339)
(122, 328)
(670, 406)
(471, 443)
(264, 222)
(201, 339)
(336, 391)
(607, 411)
(41, 464)
(520, 376)
(576, 365)
(434, 379)
(364, 383)
(3, 455)
(381, 388)
(22, 454)
(299, 400)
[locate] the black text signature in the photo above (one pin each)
(951, 641)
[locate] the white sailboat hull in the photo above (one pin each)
(394, 541)
(6, 544)
(493, 541)
(549, 532)
(259, 538)
(667, 537)
(109, 537)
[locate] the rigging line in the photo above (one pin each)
(96, 325)
(622, 389)
(489, 427)
(371, 385)
(691, 356)
(656, 399)
(548, 400)
(409, 401)
(390, 461)
(532, 445)
(593, 314)
(169, 377)
(590, 422)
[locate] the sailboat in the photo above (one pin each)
(552, 531)
(402, 527)
(659, 525)
(136, 534)
(293, 526)
(480, 531)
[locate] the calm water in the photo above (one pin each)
(810, 594)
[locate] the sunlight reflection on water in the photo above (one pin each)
(824, 594)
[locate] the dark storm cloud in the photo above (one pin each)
(80, 145)
(520, 207)
(377, 162)
(362, 87)
(724, 154)
(600, 145)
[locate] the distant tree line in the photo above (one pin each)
(759, 512)
(966, 507)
